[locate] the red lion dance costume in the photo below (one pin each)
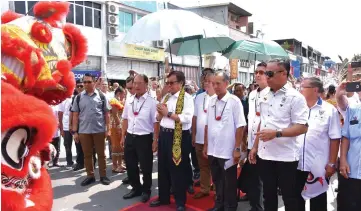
(37, 55)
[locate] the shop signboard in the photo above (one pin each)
(135, 51)
(233, 64)
(79, 74)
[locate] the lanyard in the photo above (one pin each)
(141, 106)
(215, 111)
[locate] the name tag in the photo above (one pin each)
(354, 122)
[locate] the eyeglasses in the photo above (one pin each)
(306, 87)
(171, 82)
(260, 72)
(270, 74)
(79, 86)
(87, 82)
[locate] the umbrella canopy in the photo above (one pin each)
(255, 49)
(165, 25)
(197, 45)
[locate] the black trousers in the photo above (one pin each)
(169, 174)
(226, 184)
(284, 175)
(194, 160)
(56, 143)
(138, 149)
(318, 203)
(79, 154)
(349, 194)
(68, 143)
(250, 182)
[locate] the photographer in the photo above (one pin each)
(349, 190)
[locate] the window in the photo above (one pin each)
(24, 7)
(139, 16)
(85, 13)
(125, 21)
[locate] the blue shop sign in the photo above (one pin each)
(79, 74)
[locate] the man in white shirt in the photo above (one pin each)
(64, 113)
(139, 123)
(56, 138)
(198, 124)
(319, 145)
(222, 142)
(175, 114)
(253, 181)
(284, 115)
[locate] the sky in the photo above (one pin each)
(332, 27)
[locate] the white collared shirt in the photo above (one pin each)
(281, 110)
(185, 117)
(143, 123)
(323, 125)
(222, 133)
(200, 111)
(253, 120)
(65, 108)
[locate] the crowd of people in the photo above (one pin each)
(285, 140)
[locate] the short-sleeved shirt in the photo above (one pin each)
(55, 112)
(200, 111)
(146, 108)
(65, 108)
(187, 113)
(222, 133)
(254, 100)
(352, 131)
(92, 112)
(281, 110)
(323, 125)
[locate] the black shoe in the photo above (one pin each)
(157, 203)
(69, 165)
(196, 175)
(105, 180)
(125, 180)
(133, 193)
(190, 190)
(145, 197)
(87, 181)
(181, 208)
(78, 167)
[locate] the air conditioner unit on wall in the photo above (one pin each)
(113, 31)
(113, 20)
(113, 9)
(158, 44)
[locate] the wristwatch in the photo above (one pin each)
(169, 114)
(279, 133)
(237, 149)
(332, 165)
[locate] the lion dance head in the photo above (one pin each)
(37, 55)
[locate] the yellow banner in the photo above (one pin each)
(142, 52)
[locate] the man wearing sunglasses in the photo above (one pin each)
(284, 116)
(250, 175)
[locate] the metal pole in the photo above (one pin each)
(200, 63)
(170, 52)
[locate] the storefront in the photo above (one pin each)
(92, 65)
(125, 57)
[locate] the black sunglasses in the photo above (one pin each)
(270, 74)
(80, 86)
(87, 82)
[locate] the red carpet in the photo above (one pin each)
(192, 204)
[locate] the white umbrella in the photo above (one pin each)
(166, 25)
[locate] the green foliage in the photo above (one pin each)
(356, 57)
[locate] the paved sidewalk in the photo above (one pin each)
(69, 195)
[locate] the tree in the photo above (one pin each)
(356, 57)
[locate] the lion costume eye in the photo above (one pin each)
(14, 147)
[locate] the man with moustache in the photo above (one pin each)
(284, 116)
(175, 114)
(222, 142)
(139, 123)
(198, 124)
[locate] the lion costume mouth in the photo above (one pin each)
(18, 184)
